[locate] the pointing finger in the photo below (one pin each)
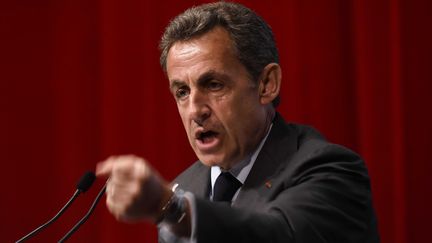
(105, 168)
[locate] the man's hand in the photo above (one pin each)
(135, 191)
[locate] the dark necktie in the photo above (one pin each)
(225, 187)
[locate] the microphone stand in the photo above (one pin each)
(84, 219)
(37, 230)
(83, 185)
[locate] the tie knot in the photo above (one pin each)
(225, 187)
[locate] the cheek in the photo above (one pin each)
(240, 120)
(183, 117)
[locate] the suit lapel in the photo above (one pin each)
(280, 145)
(197, 180)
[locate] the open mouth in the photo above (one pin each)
(206, 137)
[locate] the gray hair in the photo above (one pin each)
(252, 37)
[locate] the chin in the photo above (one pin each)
(210, 160)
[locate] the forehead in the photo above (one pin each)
(216, 37)
(207, 49)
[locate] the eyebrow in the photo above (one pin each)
(203, 79)
(207, 76)
(176, 83)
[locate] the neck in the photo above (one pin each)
(270, 115)
(268, 120)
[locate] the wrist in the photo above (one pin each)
(173, 208)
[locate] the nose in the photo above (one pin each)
(199, 107)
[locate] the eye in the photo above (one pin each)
(215, 85)
(182, 93)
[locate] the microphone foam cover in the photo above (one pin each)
(86, 181)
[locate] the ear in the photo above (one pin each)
(269, 83)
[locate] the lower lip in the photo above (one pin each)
(208, 145)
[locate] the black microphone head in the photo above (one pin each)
(86, 181)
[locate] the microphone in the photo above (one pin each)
(86, 181)
(86, 216)
(83, 185)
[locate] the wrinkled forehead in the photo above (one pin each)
(216, 45)
(214, 40)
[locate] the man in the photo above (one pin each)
(258, 179)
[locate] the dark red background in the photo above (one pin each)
(80, 81)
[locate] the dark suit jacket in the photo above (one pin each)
(301, 189)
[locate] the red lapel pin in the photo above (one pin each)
(268, 184)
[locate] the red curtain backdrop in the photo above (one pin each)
(80, 80)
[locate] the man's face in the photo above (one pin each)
(218, 102)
